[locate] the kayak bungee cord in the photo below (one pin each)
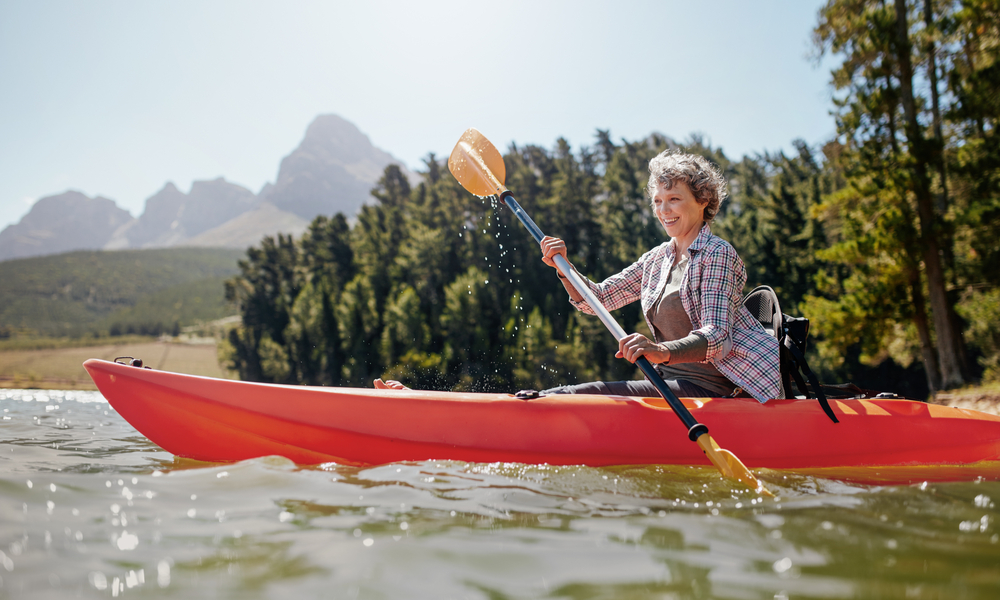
(479, 167)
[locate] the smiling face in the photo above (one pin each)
(679, 212)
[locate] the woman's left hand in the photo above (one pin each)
(634, 345)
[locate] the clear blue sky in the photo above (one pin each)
(115, 98)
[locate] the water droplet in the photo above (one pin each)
(163, 573)
(780, 566)
(127, 541)
(98, 580)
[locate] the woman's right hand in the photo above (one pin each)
(552, 246)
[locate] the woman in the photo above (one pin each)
(707, 344)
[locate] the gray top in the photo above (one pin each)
(672, 328)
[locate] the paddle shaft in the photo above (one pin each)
(695, 429)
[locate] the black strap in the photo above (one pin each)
(791, 372)
(798, 363)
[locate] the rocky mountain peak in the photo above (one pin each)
(61, 223)
(332, 170)
(171, 216)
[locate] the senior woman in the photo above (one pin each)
(706, 343)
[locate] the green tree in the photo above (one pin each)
(889, 162)
(771, 220)
(971, 51)
(264, 294)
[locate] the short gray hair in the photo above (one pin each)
(704, 179)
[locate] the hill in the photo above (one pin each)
(247, 229)
(81, 292)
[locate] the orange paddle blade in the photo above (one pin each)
(730, 466)
(477, 164)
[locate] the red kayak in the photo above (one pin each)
(221, 420)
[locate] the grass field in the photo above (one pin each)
(132, 291)
(23, 343)
(62, 368)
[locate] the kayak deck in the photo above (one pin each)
(222, 420)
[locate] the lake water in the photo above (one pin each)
(90, 508)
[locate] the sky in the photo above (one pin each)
(117, 98)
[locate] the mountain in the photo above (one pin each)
(172, 217)
(247, 229)
(67, 221)
(333, 170)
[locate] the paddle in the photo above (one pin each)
(478, 166)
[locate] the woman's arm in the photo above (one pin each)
(614, 292)
(720, 291)
(689, 349)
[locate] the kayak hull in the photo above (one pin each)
(222, 420)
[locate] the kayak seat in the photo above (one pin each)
(791, 333)
(762, 303)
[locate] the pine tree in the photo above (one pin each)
(890, 164)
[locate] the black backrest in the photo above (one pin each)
(763, 304)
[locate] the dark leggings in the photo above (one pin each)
(681, 387)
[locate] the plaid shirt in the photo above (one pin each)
(711, 294)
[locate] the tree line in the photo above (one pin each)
(882, 236)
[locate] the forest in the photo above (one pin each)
(883, 237)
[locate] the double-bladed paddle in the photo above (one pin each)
(478, 166)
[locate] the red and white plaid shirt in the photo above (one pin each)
(712, 296)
